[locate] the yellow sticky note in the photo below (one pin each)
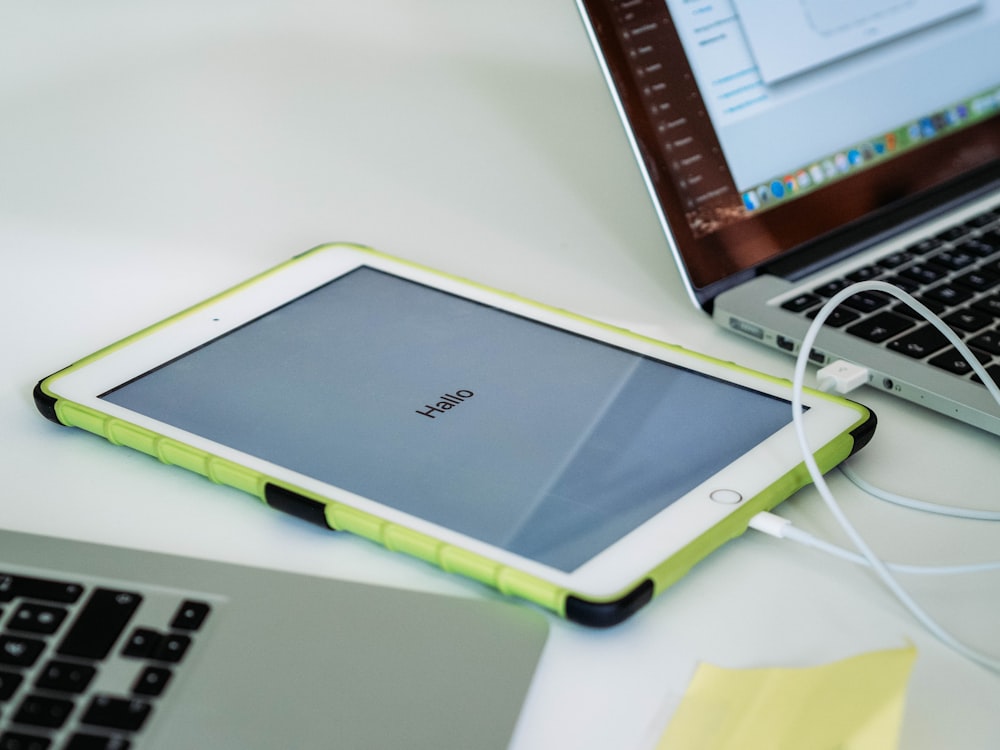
(853, 704)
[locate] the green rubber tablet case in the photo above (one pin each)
(329, 513)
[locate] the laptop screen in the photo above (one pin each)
(763, 126)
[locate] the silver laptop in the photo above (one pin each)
(109, 648)
(794, 146)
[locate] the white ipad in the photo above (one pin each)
(573, 464)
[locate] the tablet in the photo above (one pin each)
(560, 460)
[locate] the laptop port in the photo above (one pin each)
(748, 329)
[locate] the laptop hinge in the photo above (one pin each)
(886, 223)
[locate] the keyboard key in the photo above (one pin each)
(925, 245)
(953, 260)
(967, 320)
(65, 677)
(895, 260)
(923, 273)
(948, 295)
(903, 308)
(171, 648)
(117, 713)
(100, 622)
(952, 361)
(9, 682)
(190, 615)
(141, 643)
(978, 281)
(830, 288)
(881, 327)
(42, 711)
(22, 741)
(977, 247)
(987, 341)
(839, 318)
(12, 586)
(920, 343)
(801, 303)
(953, 233)
(37, 618)
(989, 305)
(152, 681)
(905, 284)
(991, 238)
(17, 651)
(83, 741)
(866, 301)
(866, 273)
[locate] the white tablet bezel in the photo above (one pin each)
(605, 575)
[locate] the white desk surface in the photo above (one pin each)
(153, 155)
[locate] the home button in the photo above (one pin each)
(726, 497)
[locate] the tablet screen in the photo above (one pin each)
(533, 439)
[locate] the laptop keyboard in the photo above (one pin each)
(955, 273)
(83, 663)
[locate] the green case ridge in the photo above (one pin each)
(453, 559)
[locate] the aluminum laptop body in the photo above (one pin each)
(795, 146)
(105, 647)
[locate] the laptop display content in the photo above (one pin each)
(794, 146)
(103, 647)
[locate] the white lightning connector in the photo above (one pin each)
(842, 377)
(770, 524)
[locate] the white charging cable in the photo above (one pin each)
(881, 568)
(782, 528)
(974, 514)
